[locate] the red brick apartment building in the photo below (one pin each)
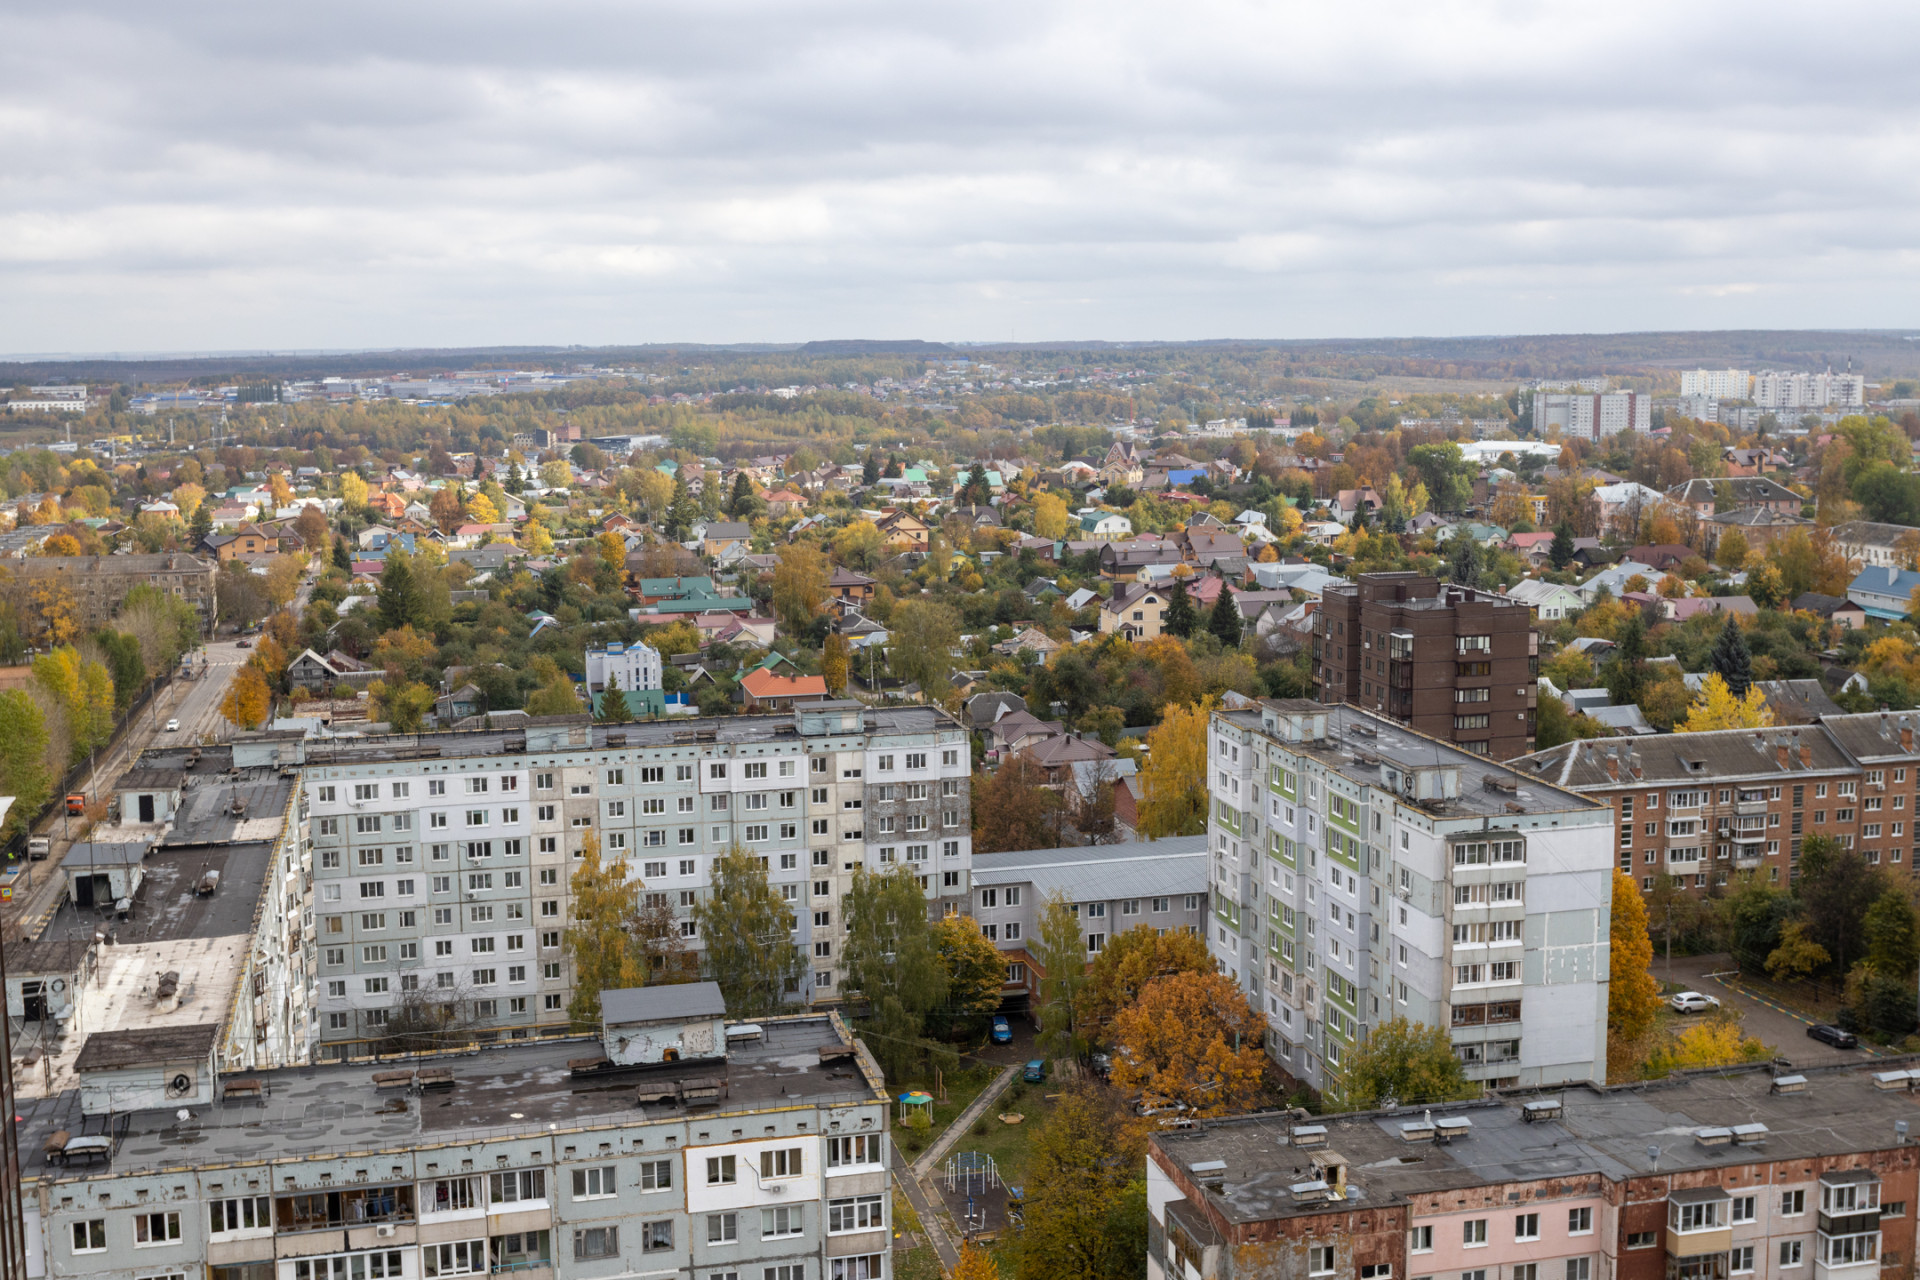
(1758, 1172)
(1454, 662)
(1700, 806)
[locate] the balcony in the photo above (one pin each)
(1750, 808)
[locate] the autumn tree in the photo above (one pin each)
(1060, 954)
(1128, 962)
(1174, 783)
(1716, 1042)
(923, 637)
(893, 960)
(1892, 934)
(1013, 811)
(799, 586)
(401, 704)
(836, 658)
(24, 774)
(1191, 1039)
(859, 545)
(246, 703)
(747, 929)
(446, 509)
(1407, 1062)
(1715, 707)
(1633, 995)
(975, 971)
(598, 937)
(1049, 516)
(1796, 954)
(353, 491)
(1086, 1205)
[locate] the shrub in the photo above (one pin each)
(979, 1128)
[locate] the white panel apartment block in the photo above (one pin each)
(1362, 871)
(442, 862)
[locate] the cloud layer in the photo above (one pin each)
(207, 175)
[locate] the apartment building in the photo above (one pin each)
(442, 861)
(1361, 872)
(1592, 416)
(1455, 662)
(636, 666)
(1774, 389)
(1867, 544)
(1802, 1176)
(1159, 884)
(99, 584)
(673, 1144)
(1702, 806)
(1717, 384)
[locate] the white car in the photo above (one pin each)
(173, 726)
(1692, 1002)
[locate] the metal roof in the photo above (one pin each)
(663, 1004)
(1097, 873)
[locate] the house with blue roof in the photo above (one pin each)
(1884, 592)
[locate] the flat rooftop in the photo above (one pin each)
(680, 731)
(1601, 1131)
(499, 1091)
(1358, 744)
(1176, 864)
(206, 812)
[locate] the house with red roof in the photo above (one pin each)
(761, 690)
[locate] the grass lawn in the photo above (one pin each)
(963, 1086)
(919, 1262)
(1007, 1143)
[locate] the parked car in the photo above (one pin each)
(1002, 1032)
(1833, 1035)
(1036, 1071)
(1692, 1002)
(1102, 1064)
(173, 726)
(243, 643)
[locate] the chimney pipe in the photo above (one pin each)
(1781, 755)
(1906, 734)
(1613, 766)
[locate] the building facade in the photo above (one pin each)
(551, 1161)
(1592, 416)
(1803, 1176)
(1362, 872)
(99, 584)
(1773, 389)
(442, 862)
(1455, 662)
(1717, 384)
(636, 666)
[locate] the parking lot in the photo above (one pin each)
(1781, 1028)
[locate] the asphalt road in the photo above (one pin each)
(1782, 1028)
(37, 887)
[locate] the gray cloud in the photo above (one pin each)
(225, 175)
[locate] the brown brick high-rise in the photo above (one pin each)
(1454, 662)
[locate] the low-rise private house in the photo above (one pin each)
(1347, 503)
(1135, 610)
(1733, 493)
(1127, 561)
(315, 672)
(1760, 526)
(1056, 757)
(1833, 608)
(1884, 592)
(761, 690)
(1664, 556)
(1206, 547)
(1015, 731)
(1615, 577)
(1534, 548)
(855, 588)
(980, 517)
(1105, 526)
(1081, 598)
(245, 540)
(785, 502)
(1797, 701)
(904, 531)
(983, 709)
(1550, 601)
(1625, 503)
(1680, 610)
(725, 535)
(1865, 543)
(1030, 640)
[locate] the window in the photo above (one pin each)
(787, 1220)
(600, 1242)
(246, 1213)
(513, 1187)
(1320, 1260)
(721, 1171)
(1893, 1209)
(655, 1175)
(1792, 1203)
(1790, 1253)
(156, 1228)
(724, 1228)
(1420, 1240)
(382, 1265)
(656, 1237)
(1642, 1239)
(90, 1236)
(854, 1149)
(866, 1266)
(783, 1163)
(1742, 1260)
(1579, 1222)
(1473, 1232)
(1526, 1226)
(1743, 1208)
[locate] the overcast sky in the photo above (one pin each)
(192, 176)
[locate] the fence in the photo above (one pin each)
(16, 845)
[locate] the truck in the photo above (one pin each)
(77, 803)
(39, 847)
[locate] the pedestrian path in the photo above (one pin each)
(929, 1159)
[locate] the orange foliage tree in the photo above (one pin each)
(1191, 1038)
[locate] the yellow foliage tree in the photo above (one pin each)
(280, 491)
(246, 703)
(1191, 1038)
(835, 660)
(188, 498)
(1715, 707)
(480, 510)
(1174, 783)
(537, 540)
(61, 544)
(858, 545)
(800, 584)
(975, 1264)
(613, 550)
(1049, 516)
(1718, 1042)
(353, 491)
(606, 955)
(1633, 996)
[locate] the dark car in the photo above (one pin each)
(1834, 1036)
(1002, 1031)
